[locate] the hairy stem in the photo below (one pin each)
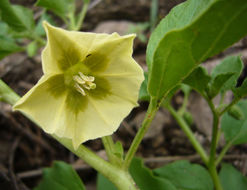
(197, 146)
(152, 109)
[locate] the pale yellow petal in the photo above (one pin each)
(101, 118)
(43, 108)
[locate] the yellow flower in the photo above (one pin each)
(90, 83)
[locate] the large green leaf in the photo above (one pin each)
(235, 130)
(143, 93)
(60, 7)
(17, 17)
(232, 179)
(60, 176)
(189, 34)
(231, 64)
(143, 177)
(186, 176)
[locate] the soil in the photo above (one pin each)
(25, 149)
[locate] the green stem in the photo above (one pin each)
(109, 148)
(184, 105)
(223, 152)
(189, 133)
(215, 131)
(152, 109)
(82, 15)
(120, 178)
(7, 94)
(215, 177)
(235, 100)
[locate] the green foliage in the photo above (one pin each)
(198, 79)
(143, 177)
(185, 175)
(235, 130)
(241, 91)
(218, 83)
(192, 32)
(231, 178)
(8, 46)
(143, 94)
(60, 176)
(32, 49)
(231, 64)
(17, 17)
(60, 7)
(39, 30)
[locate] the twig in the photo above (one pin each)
(11, 160)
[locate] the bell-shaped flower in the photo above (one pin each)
(90, 83)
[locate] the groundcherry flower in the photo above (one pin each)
(90, 83)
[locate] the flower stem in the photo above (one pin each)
(7, 94)
(109, 148)
(189, 134)
(152, 109)
(120, 178)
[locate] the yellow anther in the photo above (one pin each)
(83, 81)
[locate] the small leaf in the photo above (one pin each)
(235, 130)
(143, 94)
(185, 175)
(198, 79)
(60, 7)
(32, 49)
(231, 178)
(217, 83)
(241, 91)
(17, 17)
(8, 46)
(192, 32)
(60, 176)
(119, 151)
(145, 178)
(231, 64)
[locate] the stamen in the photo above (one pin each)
(83, 81)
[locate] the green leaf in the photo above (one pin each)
(32, 49)
(198, 79)
(8, 46)
(60, 176)
(143, 177)
(217, 84)
(119, 151)
(17, 17)
(60, 7)
(39, 30)
(235, 130)
(231, 64)
(143, 94)
(185, 175)
(231, 178)
(103, 183)
(192, 32)
(241, 91)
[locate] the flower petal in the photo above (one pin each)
(101, 118)
(61, 52)
(44, 107)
